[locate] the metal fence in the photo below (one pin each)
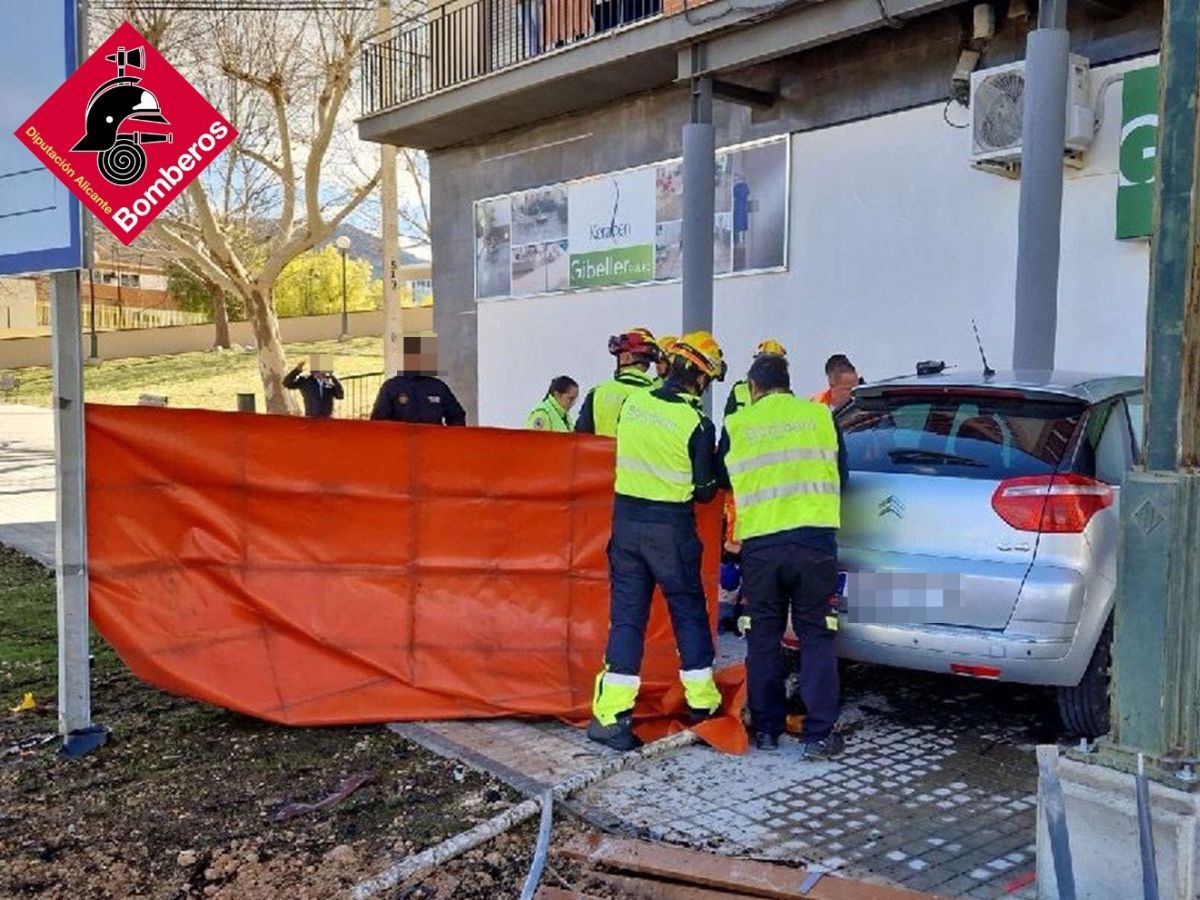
(123, 318)
(458, 41)
(361, 391)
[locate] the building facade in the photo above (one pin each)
(849, 215)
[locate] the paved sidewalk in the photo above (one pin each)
(27, 497)
(937, 789)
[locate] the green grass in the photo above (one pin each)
(179, 774)
(205, 380)
(28, 631)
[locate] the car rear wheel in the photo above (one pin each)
(1084, 709)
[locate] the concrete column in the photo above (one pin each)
(389, 231)
(1156, 692)
(1101, 807)
(1043, 133)
(699, 179)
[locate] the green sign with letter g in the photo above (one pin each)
(1138, 156)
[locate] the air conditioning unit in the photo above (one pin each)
(997, 107)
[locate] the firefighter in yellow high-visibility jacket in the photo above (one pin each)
(666, 456)
(635, 351)
(784, 459)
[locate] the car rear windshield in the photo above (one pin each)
(958, 434)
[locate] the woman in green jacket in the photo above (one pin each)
(552, 414)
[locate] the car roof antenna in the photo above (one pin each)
(988, 371)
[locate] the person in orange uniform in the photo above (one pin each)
(843, 378)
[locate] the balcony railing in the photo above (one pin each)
(462, 40)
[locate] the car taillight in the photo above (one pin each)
(1055, 504)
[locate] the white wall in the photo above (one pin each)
(896, 242)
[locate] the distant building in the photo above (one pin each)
(18, 304)
(133, 276)
(415, 283)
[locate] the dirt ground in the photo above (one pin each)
(185, 800)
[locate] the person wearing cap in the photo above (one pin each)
(784, 460)
(663, 364)
(665, 462)
(739, 394)
(635, 350)
(843, 379)
(553, 413)
(318, 389)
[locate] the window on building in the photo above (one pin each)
(131, 280)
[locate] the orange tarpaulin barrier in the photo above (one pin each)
(315, 572)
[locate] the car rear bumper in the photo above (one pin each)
(1025, 659)
(1021, 620)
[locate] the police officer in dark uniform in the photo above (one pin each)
(416, 394)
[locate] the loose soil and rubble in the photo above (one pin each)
(186, 800)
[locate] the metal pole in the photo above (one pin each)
(393, 329)
(699, 180)
(95, 354)
(345, 320)
(1051, 800)
(1043, 132)
(1146, 832)
(74, 690)
(120, 301)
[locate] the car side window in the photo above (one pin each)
(1110, 438)
(1136, 403)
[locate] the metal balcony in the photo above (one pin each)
(458, 42)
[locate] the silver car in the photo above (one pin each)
(979, 528)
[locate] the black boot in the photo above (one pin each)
(618, 736)
(766, 742)
(827, 748)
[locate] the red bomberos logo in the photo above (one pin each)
(127, 133)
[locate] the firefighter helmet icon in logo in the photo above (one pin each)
(119, 100)
(138, 133)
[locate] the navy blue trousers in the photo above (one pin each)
(777, 579)
(641, 555)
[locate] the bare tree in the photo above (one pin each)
(282, 79)
(413, 189)
(414, 214)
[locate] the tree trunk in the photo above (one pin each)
(272, 365)
(220, 315)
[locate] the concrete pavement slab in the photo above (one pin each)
(27, 493)
(936, 790)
